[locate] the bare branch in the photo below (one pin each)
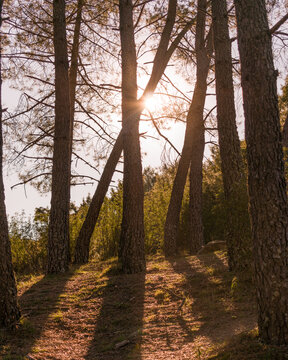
(279, 24)
(163, 136)
(30, 179)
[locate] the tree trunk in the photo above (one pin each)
(230, 152)
(83, 240)
(9, 310)
(58, 231)
(194, 117)
(131, 247)
(74, 69)
(203, 56)
(266, 181)
(174, 208)
(196, 238)
(285, 133)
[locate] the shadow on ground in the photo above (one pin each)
(118, 326)
(37, 303)
(216, 311)
(247, 346)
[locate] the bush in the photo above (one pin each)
(28, 245)
(29, 237)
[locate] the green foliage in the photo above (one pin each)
(216, 208)
(28, 243)
(29, 238)
(156, 203)
(105, 238)
(77, 217)
(213, 199)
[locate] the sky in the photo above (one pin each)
(27, 198)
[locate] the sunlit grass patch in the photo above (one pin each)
(56, 316)
(37, 350)
(27, 281)
(162, 296)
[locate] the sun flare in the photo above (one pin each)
(152, 103)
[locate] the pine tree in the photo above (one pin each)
(266, 181)
(9, 310)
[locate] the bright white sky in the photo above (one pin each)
(27, 198)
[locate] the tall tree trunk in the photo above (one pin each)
(203, 55)
(131, 248)
(9, 310)
(58, 231)
(195, 111)
(230, 152)
(86, 231)
(266, 181)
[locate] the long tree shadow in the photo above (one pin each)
(215, 314)
(118, 328)
(37, 303)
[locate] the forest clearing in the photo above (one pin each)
(189, 308)
(128, 269)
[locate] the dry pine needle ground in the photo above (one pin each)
(189, 308)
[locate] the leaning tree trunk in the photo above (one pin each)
(58, 231)
(9, 310)
(175, 203)
(232, 165)
(131, 247)
(194, 117)
(86, 231)
(266, 181)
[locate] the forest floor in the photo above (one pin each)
(189, 308)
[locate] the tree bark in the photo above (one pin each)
(196, 237)
(73, 70)
(131, 247)
(194, 117)
(58, 231)
(9, 310)
(203, 56)
(230, 152)
(86, 231)
(266, 181)
(285, 133)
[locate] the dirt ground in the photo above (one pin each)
(189, 308)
